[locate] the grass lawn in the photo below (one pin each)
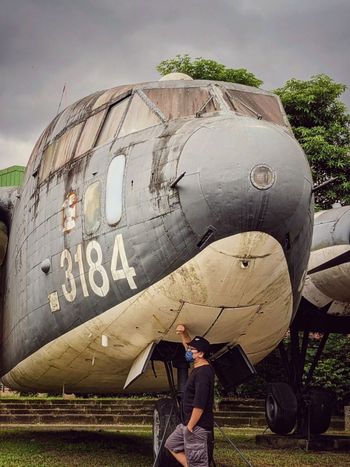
(132, 447)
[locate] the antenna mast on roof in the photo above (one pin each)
(62, 95)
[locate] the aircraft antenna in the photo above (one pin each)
(63, 93)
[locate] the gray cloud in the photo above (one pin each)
(93, 45)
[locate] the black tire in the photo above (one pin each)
(162, 410)
(317, 408)
(281, 408)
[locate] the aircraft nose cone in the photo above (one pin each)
(243, 175)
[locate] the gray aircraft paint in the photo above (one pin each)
(161, 227)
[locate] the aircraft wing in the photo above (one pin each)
(325, 305)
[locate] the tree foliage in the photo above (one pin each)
(202, 68)
(322, 126)
(332, 371)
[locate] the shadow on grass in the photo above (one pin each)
(75, 448)
(89, 440)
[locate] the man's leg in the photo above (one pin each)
(196, 447)
(175, 445)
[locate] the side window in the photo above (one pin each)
(114, 190)
(59, 151)
(65, 145)
(47, 160)
(180, 102)
(92, 207)
(112, 122)
(139, 117)
(255, 104)
(89, 133)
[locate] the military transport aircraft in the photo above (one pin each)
(149, 205)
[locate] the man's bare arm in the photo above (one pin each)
(195, 416)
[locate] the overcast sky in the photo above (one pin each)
(92, 45)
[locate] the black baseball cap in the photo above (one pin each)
(200, 344)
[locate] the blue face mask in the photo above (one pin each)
(189, 356)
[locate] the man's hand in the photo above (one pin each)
(195, 416)
(180, 329)
(185, 337)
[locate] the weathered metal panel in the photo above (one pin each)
(3, 241)
(331, 228)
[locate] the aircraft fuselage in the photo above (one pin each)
(112, 242)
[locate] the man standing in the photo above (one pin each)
(189, 441)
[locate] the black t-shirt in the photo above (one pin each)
(199, 393)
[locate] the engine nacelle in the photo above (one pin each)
(331, 239)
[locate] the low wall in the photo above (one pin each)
(347, 417)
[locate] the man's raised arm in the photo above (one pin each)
(182, 331)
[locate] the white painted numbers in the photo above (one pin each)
(71, 292)
(126, 272)
(96, 268)
(97, 274)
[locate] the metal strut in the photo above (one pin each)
(155, 463)
(316, 358)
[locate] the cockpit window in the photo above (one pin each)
(180, 102)
(60, 151)
(138, 117)
(112, 121)
(253, 104)
(47, 159)
(89, 133)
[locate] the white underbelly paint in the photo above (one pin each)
(236, 290)
(332, 284)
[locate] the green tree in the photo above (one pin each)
(202, 68)
(332, 371)
(322, 126)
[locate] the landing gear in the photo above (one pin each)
(298, 406)
(281, 408)
(165, 420)
(316, 411)
(166, 415)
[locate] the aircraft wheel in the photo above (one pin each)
(281, 408)
(161, 414)
(318, 404)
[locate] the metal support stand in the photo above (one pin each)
(233, 445)
(155, 463)
(316, 358)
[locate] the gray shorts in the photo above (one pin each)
(195, 445)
